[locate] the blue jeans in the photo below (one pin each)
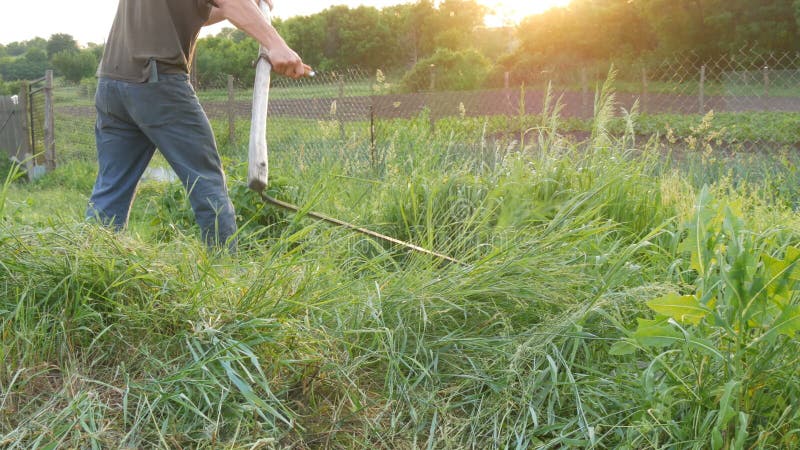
(135, 118)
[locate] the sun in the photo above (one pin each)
(506, 12)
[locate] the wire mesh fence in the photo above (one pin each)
(754, 100)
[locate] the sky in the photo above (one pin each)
(89, 20)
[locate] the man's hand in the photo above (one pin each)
(247, 16)
(286, 62)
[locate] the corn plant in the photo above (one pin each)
(719, 349)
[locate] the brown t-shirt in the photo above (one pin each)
(164, 30)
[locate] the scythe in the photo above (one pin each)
(258, 155)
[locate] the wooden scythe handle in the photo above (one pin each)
(258, 155)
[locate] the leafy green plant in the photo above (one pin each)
(720, 347)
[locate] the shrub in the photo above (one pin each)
(455, 71)
(75, 66)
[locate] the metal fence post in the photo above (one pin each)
(644, 90)
(585, 92)
(766, 79)
(702, 99)
(231, 112)
(339, 104)
(372, 132)
(49, 123)
(522, 110)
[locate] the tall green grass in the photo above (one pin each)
(313, 337)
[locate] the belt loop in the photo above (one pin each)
(153, 71)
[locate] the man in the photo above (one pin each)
(144, 101)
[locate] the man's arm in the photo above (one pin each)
(215, 17)
(246, 16)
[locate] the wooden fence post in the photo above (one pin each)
(702, 96)
(49, 123)
(24, 151)
(231, 112)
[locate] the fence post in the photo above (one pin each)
(702, 98)
(49, 123)
(522, 110)
(339, 104)
(231, 112)
(25, 146)
(32, 123)
(644, 90)
(766, 79)
(585, 92)
(372, 133)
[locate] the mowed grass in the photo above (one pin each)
(315, 337)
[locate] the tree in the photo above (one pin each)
(96, 49)
(454, 71)
(341, 37)
(306, 35)
(59, 43)
(419, 29)
(710, 28)
(19, 48)
(75, 65)
(30, 66)
(495, 42)
(366, 40)
(796, 5)
(220, 56)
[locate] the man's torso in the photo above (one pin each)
(161, 30)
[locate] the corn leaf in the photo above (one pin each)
(685, 309)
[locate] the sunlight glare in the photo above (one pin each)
(510, 12)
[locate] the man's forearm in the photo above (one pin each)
(246, 16)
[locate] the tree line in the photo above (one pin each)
(448, 40)
(28, 60)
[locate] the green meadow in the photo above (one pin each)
(614, 291)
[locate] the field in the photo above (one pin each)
(615, 292)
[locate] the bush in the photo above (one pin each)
(10, 87)
(28, 67)
(455, 71)
(75, 66)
